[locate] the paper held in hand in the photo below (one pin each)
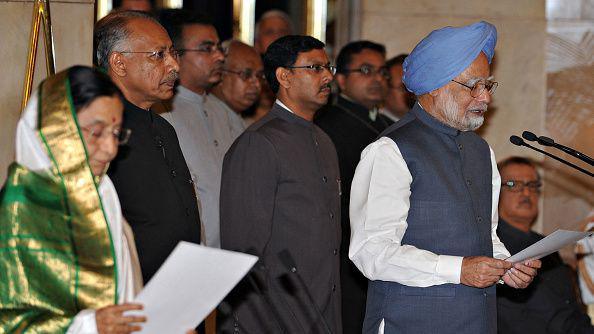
(552, 243)
(189, 285)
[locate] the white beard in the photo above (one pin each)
(465, 122)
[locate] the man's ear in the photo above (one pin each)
(340, 81)
(117, 64)
(283, 77)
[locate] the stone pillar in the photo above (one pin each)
(72, 23)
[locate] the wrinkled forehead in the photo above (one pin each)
(315, 56)
(148, 34)
(519, 172)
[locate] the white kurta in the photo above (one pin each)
(206, 128)
(379, 204)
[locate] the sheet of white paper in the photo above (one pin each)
(552, 243)
(189, 285)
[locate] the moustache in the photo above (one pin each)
(325, 86)
(526, 201)
(171, 77)
(482, 107)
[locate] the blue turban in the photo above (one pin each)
(445, 53)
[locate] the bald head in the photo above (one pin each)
(241, 82)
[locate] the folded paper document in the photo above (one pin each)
(552, 243)
(189, 285)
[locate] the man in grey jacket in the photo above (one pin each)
(280, 194)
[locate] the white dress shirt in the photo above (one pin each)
(379, 204)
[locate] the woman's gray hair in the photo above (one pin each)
(112, 31)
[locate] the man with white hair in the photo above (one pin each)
(424, 198)
(272, 25)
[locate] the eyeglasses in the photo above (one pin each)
(248, 74)
(316, 68)
(518, 186)
(369, 71)
(479, 87)
(121, 135)
(157, 55)
(208, 48)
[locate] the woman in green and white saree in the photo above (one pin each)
(65, 262)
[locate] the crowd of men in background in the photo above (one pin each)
(245, 148)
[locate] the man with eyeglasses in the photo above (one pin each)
(280, 194)
(243, 76)
(149, 172)
(353, 122)
(549, 304)
(398, 100)
(424, 198)
(205, 130)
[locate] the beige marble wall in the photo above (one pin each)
(569, 195)
(73, 44)
(519, 63)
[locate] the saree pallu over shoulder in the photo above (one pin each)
(56, 252)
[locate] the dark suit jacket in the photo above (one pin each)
(351, 130)
(153, 184)
(280, 191)
(549, 304)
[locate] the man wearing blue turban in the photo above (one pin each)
(424, 198)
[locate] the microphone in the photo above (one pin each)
(529, 136)
(520, 142)
(289, 263)
(546, 141)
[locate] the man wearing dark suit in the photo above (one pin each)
(280, 191)
(549, 304)
(150, 173)
(353, 122)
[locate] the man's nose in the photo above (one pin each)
(485, 96)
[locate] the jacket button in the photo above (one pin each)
(468, 182)
(460, 147)
(333, 287)
(173, 173)
(325, 179)
(335, 251)
(331, 215)
(479, 219)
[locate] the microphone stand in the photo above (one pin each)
(546, 141)
(520, 142)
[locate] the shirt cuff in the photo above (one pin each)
(449, 268)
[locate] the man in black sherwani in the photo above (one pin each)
(149, 173)
(353, 122)
(280, 192)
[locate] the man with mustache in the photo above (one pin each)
(549, 304)
(149, 173)
(353, 122)
(205, 132)
(424, 198)
(243, 76)
(280, 192)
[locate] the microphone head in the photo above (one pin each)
(529, 136)
(517, 141)
(546, 141)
